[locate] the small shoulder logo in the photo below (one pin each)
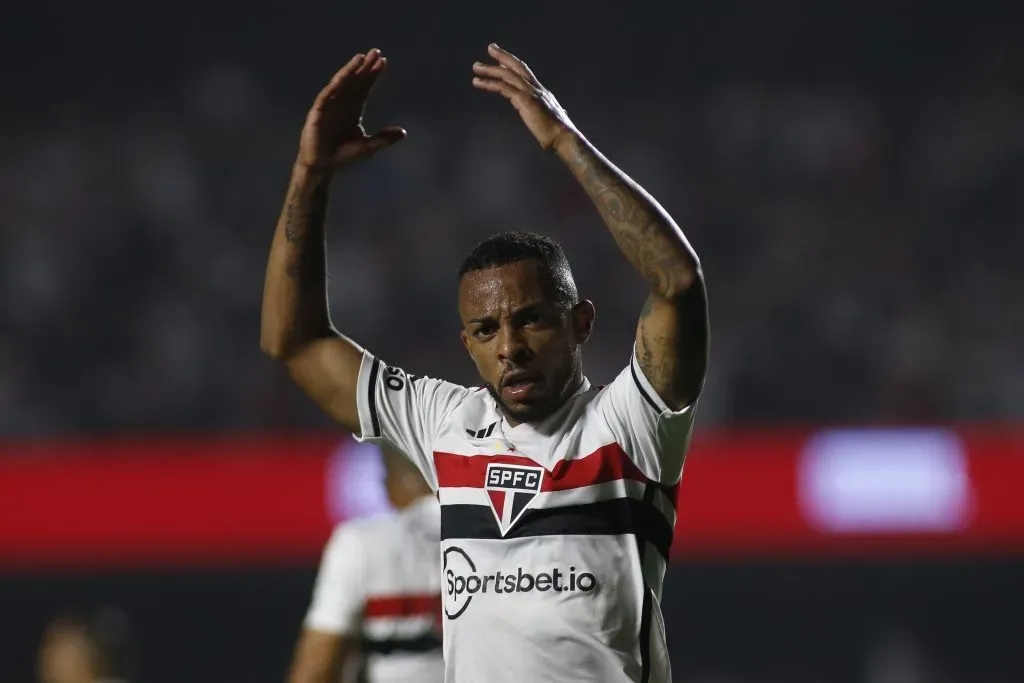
(481, 433)
(511, 489)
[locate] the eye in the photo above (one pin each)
(484, 331)
(533, 319)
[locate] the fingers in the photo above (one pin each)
(501, 73)
(372, 61)
(510, 77)
(371, 71)
(339, 79)
(510, 61)
(344, 72)
(358, 75)
(385, 138)
(501, 87)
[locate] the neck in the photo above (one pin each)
(574, 385)
(571, 388)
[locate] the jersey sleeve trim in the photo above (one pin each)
(647, 391)
(640, 385)
(371, 391)
(366, 398)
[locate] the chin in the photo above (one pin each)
(529, 412)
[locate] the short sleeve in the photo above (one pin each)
(654, 436)
(339, 594)
(404, 411)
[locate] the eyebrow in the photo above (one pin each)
(519, 311)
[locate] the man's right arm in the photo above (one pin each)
(376, 402)
(296, 324)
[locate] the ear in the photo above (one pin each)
(465, 339)
(582, 316)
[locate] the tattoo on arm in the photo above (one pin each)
(304, 232)
(294, 309)
(659, 367)
(643, 230)
(293, 232)
(672, 345)
(671, 339)
(305, 258)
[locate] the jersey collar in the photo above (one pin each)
(528, 427)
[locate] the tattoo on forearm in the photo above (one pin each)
(672, 331)
(648, 237)
(293, 231)
(303, 230)
(305, 263)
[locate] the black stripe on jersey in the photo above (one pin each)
(426, 642)
(645, 612)
(645, 636)
(604, 518)
(640, 388)
(374, 421)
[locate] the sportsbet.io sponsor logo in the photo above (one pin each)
(463, 582)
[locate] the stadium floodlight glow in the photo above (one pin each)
(899, 480)
(354, 482)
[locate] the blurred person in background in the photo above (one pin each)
(376, 604)
(75, 649)
(569, 589)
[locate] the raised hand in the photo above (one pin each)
(333, 136)
(539, 109)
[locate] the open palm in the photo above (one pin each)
(333, 136)
(537, 106)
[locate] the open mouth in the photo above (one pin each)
(519, 384)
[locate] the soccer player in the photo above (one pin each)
(557, 497)
(377, 598)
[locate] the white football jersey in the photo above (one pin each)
(554, 535)
(380, 583)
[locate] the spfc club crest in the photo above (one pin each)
(511, 489)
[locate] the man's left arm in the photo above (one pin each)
(672, 335)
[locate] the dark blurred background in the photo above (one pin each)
(851, 173)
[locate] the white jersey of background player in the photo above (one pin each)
(376, 607)
(557, 497)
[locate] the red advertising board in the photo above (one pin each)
(159, 502)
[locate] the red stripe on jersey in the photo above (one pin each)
(607, 463)
(403, 606)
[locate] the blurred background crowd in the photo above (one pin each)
(851, 173)
(136, 221)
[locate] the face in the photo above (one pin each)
(527, 348)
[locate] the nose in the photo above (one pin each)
(512, 347)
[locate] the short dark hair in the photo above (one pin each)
(510, 247)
